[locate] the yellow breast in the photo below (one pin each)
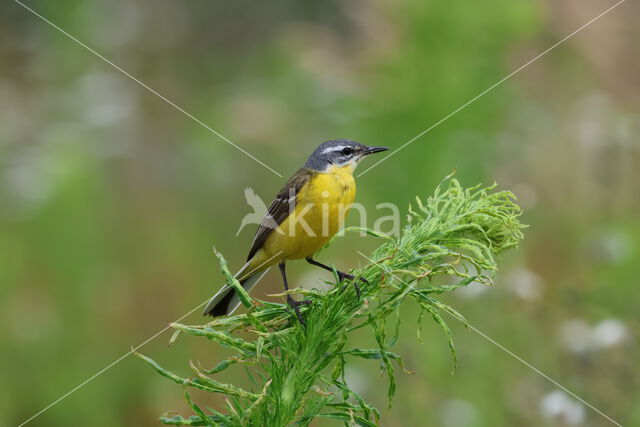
(321, 207)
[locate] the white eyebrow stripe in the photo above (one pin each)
(334, 148)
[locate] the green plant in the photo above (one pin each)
(298, 371)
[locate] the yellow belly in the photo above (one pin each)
(321, 207)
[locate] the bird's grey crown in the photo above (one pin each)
(331, 152)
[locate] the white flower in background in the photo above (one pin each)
(609, 333)
(472, 290)
(524, 283)
(560, 406)
(458, 413)
(611, 247)
(106, 100)
(576, 335)
(357, 380)
(579, 337)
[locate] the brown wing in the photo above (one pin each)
(280, 208)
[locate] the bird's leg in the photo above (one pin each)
(293, 303)
(341, 274)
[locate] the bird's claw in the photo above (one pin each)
(296, 307)
(295, 303)
(342, 276)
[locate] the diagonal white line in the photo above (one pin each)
(124, 356)
(490, 88)
(503, 348)
(174, 105)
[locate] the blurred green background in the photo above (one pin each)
(111, 200)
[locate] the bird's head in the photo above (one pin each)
(339, 152)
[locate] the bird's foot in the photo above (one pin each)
(342, 276)
(296, 307)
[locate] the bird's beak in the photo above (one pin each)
(372, 150)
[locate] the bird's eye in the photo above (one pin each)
(347, 150)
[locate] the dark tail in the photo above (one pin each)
(222, 307)
(226, 301)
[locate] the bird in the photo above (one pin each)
(306, 213)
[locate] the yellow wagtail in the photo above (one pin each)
(306, 213)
